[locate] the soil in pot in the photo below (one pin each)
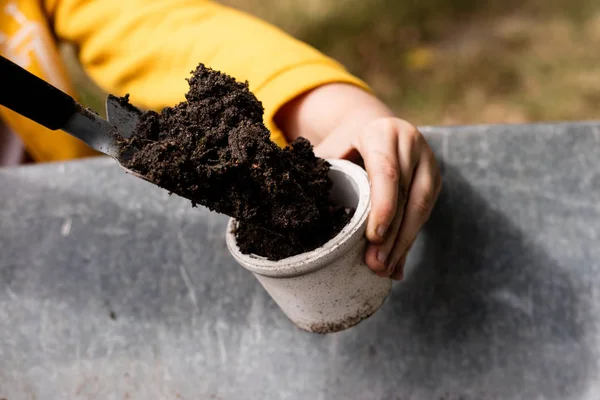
(215, 150)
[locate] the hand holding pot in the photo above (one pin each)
(345, 122)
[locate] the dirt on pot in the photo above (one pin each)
(215, 150)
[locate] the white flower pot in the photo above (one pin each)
(331, 288)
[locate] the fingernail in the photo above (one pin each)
(381, 256)
(380, 231)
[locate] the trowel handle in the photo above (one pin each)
(32, 97)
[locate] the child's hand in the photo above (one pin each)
(343, 121)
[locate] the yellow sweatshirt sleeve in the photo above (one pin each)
(148, 47)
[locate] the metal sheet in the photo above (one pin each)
(111, 289)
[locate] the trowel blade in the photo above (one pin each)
(124, 117)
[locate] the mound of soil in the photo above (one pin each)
(214, 150)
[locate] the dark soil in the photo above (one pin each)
(215, 150)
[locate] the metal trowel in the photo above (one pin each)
(33, 98)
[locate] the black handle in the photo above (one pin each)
(32, 97)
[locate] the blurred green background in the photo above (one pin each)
(452, 61)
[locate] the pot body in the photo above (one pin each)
(330, 288)
(333, 298)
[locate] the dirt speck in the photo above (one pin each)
(372, 351)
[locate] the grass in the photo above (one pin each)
(455, 61)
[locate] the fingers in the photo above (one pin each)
(424, 191)
(407, 150)
(378, 146)
(398, 273)
(377, 256)
(418, 186)
(405, 183)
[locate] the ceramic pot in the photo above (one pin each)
(330, 288)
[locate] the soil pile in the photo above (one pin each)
(214, 150)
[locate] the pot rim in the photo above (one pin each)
(313, 260)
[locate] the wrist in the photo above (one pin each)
(332, 107)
